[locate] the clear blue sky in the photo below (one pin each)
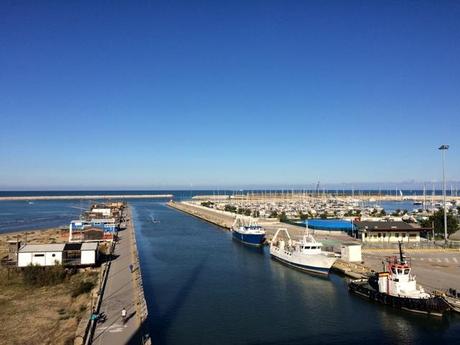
(114, 94)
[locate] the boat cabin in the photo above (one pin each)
(397, 280)
(308, 247)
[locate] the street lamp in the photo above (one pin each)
(443, 149)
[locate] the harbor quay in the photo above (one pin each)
(436, 267)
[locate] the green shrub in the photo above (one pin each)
(38, 276)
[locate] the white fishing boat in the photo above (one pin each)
(305, 255)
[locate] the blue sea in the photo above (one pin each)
(41, 214)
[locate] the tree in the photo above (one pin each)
(383, 213)
(283, 217)
(438, 220)
(323, 215)
(303, 216)
(207, 204)
(274, 214)
(230, 208)
(256, 214)
(396, 212)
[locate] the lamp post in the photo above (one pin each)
(443, 149)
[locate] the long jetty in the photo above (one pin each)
(87, 197)
(225, 220)
(123, 289)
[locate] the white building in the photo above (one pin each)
(67, 254)
(89, 253)
(389, 232)
(351, 252)
(103, 211)
(40, 254)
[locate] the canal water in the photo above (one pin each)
(204, 288)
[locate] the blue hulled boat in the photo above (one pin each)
(248, 232)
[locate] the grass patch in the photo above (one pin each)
(82, 287)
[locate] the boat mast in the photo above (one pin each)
(401, 255)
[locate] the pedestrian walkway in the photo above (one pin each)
(119, 293)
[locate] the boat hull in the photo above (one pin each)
(304, 268)
(316, 263)
(433, 306)
(249, 239)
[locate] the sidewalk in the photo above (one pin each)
(119, 293)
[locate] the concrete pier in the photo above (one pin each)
(225, 220)
(123, 289)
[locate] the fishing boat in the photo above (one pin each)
(397, 287)
(247, 231)
(305, 255)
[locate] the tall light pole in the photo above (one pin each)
(443, 149)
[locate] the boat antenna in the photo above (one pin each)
(401, 255)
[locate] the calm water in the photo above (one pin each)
(204, 288)
(20, 215)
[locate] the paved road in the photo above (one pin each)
(119, 293)
(434, 270)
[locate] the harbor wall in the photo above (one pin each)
(225, 220)
(86, 197)
(139, 296)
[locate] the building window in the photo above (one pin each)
(397, 234)
(404, 235)
(379, 235)
(38, 255)
(412, 235)
(53, 255)
(384, 234)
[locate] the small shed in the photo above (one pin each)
(89, 253)
(351, 252)
(40, 254)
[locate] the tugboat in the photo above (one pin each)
(304, 255)
(248, 232)
(397, 287)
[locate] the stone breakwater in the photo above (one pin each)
(86, 197)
